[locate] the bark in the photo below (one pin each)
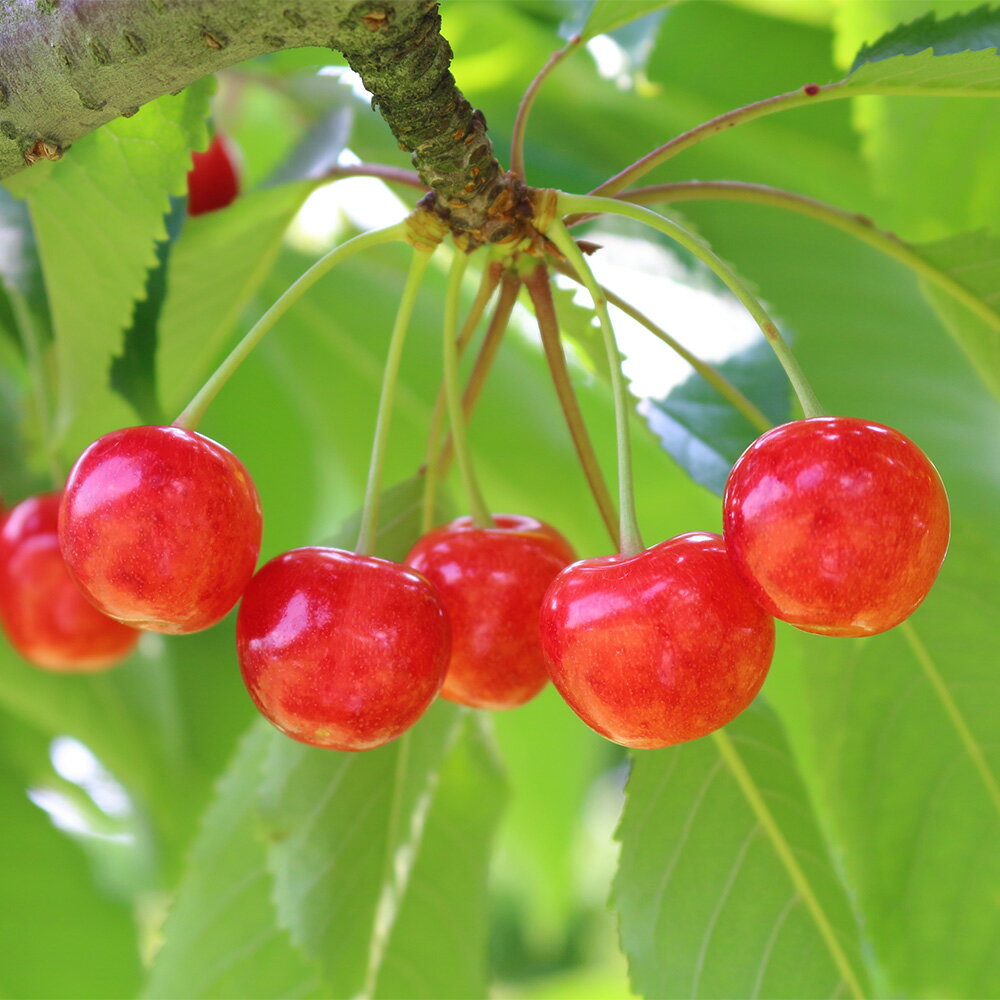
(69, 66)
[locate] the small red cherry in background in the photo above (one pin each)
(212, 181)
(45, 614)
(657, 648)
(161, 527)
(341, 650)
(838, 525)
(491, 582)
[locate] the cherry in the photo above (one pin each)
(161, 528)
(491, 582)
(656, 648)
(46, 616)
(837, 525)
(341, 650)
(212, 181)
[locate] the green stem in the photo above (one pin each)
(583, 204)
(537, 283)
(719, 382)
(477, 506)
(738, 116)
(858, 226)
(528, 100)
(369, 512)
(195, 410)
(630, 540)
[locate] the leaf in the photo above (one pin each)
(220, 938)
(725, 887)
(903, 741)
(972, 260)
(437, 948)
(97, 219)
(344, 832)
(702, 431)
(216, 267)
(606, 15)
(971, 30)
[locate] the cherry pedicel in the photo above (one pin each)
(161, 528)
(491, 582)
(657, 648)
(838, 525)
(212, 180)
(341, 650)
(45, 614)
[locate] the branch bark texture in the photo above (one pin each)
(69, 66)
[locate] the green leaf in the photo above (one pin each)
(216, 267)
(725, 886)
(901, 737)
(972, 260)
(437, 947)
(971, 30)
(97, 219)
(344, 832)
(606, 15)
(220, 938)
(703, 432)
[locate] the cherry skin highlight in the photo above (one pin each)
(838, 525)
(658, 648)
(45, 614)
(491, 582)
(212, 180)
(161, 527)
(340, 650)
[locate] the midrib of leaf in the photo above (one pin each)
(954, 713)
(787, 858)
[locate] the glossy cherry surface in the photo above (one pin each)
(213, 181)
(838, 525)
(341, 650)
(45, 614)
(161, 527)
(491, 582)
(658, 648)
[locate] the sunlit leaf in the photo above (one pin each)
(606, 15)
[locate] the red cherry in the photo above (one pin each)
(657, 648)
(212, 181)
(340, 650)
(46, 616)
(491, 582)
(160, 527)
(838, 525)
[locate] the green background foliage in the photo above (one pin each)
(837, 840)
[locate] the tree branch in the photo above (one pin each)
(69, 66)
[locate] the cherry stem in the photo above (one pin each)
(859, 226)
(537, 283)
(528, 100)
(582, 204)
(714, 378)
(720, 123)
(439, 454)
(191, 415)
(369, 511)
(382, 171)
(630, 539)
(477, 505)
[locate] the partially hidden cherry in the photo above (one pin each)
(45, 614)
(657, 648)
(491, 582)
(161, 527)
(213, 181)
(341, 650)
(838, 525)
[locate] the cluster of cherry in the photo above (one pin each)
(834, 524)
